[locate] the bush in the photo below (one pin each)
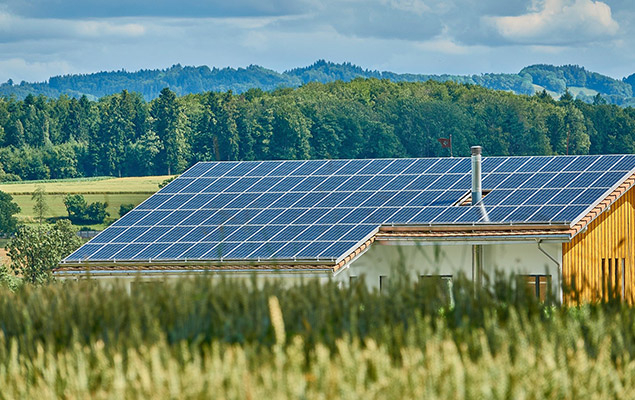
(125, 209)
(79, 212)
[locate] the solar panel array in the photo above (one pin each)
(323, 209)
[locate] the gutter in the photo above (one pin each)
(558, 267)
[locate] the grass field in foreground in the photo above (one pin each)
(114, 191)
(212, 338)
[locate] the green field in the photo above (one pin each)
(212, 338)
(114, 191)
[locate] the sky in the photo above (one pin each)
(43, 38)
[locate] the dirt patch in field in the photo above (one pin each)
(4, 258)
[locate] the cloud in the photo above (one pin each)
(80, 9)
(14, 29)
(557, 22)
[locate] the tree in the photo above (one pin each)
(171, 125)
(40, 208)
(80, 212)
(8, 223)
(36, 251)
(75, 206)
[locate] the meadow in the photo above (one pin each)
(114, 191)
(208, 337)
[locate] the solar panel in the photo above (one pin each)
(320, 209)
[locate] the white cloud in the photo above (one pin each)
(557, 22)
(15, 28)
(22, 70)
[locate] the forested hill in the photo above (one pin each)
(583, 84)
(124, 135)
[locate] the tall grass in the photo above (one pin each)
(230, 339)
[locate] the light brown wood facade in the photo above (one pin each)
(599, 262)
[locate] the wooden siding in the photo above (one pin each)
(592, 262)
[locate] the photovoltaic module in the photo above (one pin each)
(323, 209)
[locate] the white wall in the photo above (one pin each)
(450, 258)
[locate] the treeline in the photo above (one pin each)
(123, 135)
(188, 80)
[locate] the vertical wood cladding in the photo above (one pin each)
(600, 262)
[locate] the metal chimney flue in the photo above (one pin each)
(477, 191)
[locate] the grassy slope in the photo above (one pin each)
(114, 191)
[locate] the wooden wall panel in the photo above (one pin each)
(611, 236)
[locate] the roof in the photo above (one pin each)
(320, 212)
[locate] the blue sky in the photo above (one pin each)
(42, 38)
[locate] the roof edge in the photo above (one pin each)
(605, 204)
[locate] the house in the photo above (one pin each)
(553, 219)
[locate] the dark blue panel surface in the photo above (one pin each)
(83, 252)
(357, 216)
(334, 216)
(129, 251)
(130, 234)
(219, 185)
(374, 167)
(174, 251)
(311, 216)
(264, 169)
(108, 235)
(401, 199)
(605, 163)
(243, 200)
(198, 250)
(313, 250)
(290, 250)
(177, 185)
(420, 166)
(287, 233)
(308, 184)
(243, 250)
(404, 215)
(289, 216)
(313, 232)
(569, 214)
(154, 201)
(333, 199)
(175, 201)
(331, 183)
(335, 233)
(310, 209)
(107, 251)
(131, 218)
(380, 215)
(338, 249)
(584, 180)
(378, 199)
(175, 218)
(220, 169)
(310, 200)
(626, 164)
(307, 167)
(198, 170)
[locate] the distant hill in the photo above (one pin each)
(555, 80)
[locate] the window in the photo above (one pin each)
(537, 284)
(613, 278)
(383, 282)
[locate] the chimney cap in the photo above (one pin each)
(476, 150)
